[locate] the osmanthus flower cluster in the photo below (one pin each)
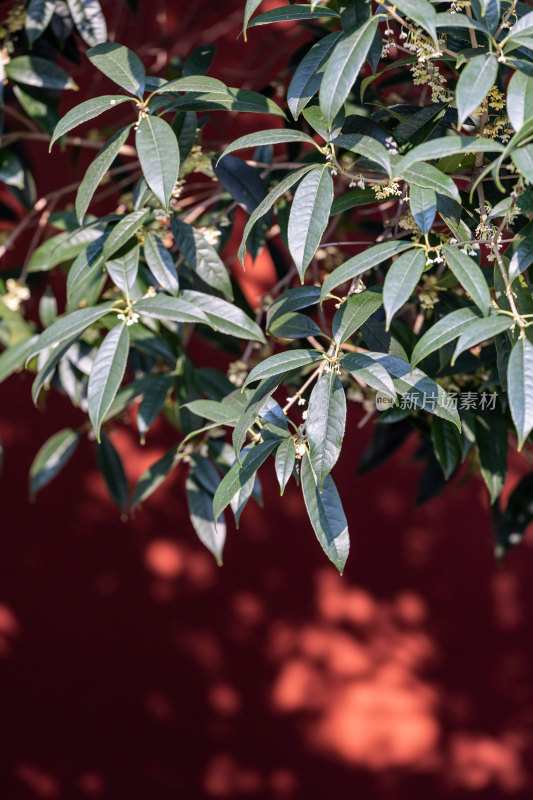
(411, 122)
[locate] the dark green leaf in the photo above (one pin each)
(89, 20)
(360, 263)
(107, 373)
(85, 112)
(326, 419)
(200, 504)
(520, 387)
(153, 477)
(402, 277)
(97, 170)
(51, 458)
(479, 330)
(475, 82)
(69, 326)
(442, 332)
(469, 276)
(34, 71)
(112, 469)
(423, 207)
(284, 462)
(238, 476)
(121, 65)
(225, 317)
(308, 74)
(491, 441)
(202, 257)
(38, 16)
(123, 231)
(160, 263)
(282, 363)
(447, 444)
(175, 309)
(159, 154)
(356, 309)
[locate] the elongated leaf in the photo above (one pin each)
(479, 330)
(243, 182)
(402, 277)
(326, 130)
(309, 217)
(51, 458)
(123, 268)
(250, 7)
(13, 358)
(491, 441)
(107, 373)
(447, 445)
(422, 12)
(269, 201)
(69, 326)
(34, 71)
(225, 317)
(326, 515)
(360, 263)
(307, 77)
(523, 159)
(348, 56)
(11, 169)
(282, 363)
(202, 257)
(326, 419)
(446, 146)
(200, 504)
(86, 277)
(124, 230)
(38, 16)
(238, 476)
(153, 477)
(194, 83)
(112, 469)
(469, 276)
(290, 13)
(367, 147)
(423, 207)
(294, 326)
(442, 332)
(520, 388)
(520, 99)
(175, 309)
(256, 406)
(215, 411)
(86, 111)
(160, 263)
(159, 155)
(153, 402)
(199, 61)
(270, 137)
(475, 82)
(371, 372)
(429, 177)
(97, 170)
(284, 462)
(354, 312)
(89, 20)
(293, 300)
(121, 65)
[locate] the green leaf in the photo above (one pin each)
(442, 332)
(367, 147)
(174, 309)
(63, 247)
(244, 184)
(422, 391)
(294, 326)
(199, 60)
(475, 82)
(307, 77)
(360, 263)
(347, 200)
(38, 16)
(422, 12)
(154, 477)
(445, 146)
(366, 369)
(522, 158)
(153, 402)
(14, 357)
(523, 28)
(270, 137)
(469, 276)
(423, 207)
(34, 71)
(158, 151)
(520, 387)
(282, 363)
(429, 177)
(238, 476)
(215, 411)
(293, 300)
(121, 65)
(491, 441)
(97, 170)
(402, 277)
(326, 129)
(200, 504)
(290, 13)
(123, 268)
(269, 201)
(479, 330)
(239, 100)
(89, 20)
(112, 470)
(123, 231)
(106, 374)
(194, 83)
(86, 276)
(309, 217)
(447, 444)
(326, 515)
(251, 6)
(47, 308)
(326, 419)
(160, 263)
(51, 458)
(356, 309)
(225, 317)
(202, 257)
(343, 66)
(257, 405)
(519, 99)
(284, 462)
(86, 111)
(11, 170)
(69, 326)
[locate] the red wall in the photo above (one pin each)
(132, 668)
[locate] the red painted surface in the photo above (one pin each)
(132, 668)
